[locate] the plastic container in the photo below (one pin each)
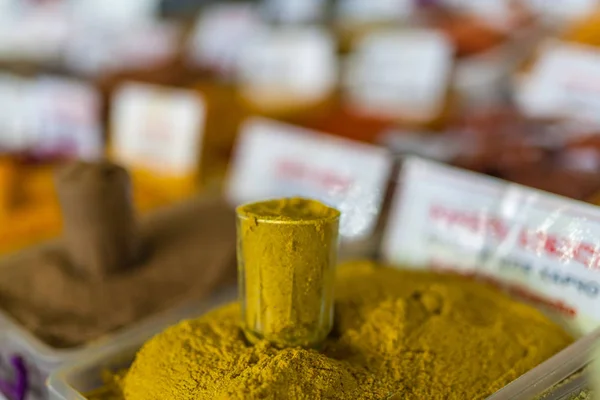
(71, 381)
(546, 377)
(40, 358)
(568, 390)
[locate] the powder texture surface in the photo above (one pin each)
(407, 334)
(189, 250)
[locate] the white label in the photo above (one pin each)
(158, 128)
(35, 33)
(565, 82)
(278, 160)
(114, 12)
(7, 9)
(400, 72)
(146, 46)
(445, 217)
(362, 11)
(50, 117)
(215, 42)
(96, 50)
(563, 10)
(90, 50)
(295, 11)
(14, 136)
(298, 63)
(64, 116)
(495, 12)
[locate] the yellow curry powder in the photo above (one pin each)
(407, 334)
(287, 253)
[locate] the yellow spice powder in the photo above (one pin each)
(415, 335)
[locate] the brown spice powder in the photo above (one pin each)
(190, 250)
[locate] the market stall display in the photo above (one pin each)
(243, 102)
(396, 331)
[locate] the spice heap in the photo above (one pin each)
(123, 271)
(416, 335)
(287, 256)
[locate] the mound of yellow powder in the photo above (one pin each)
(417, 335)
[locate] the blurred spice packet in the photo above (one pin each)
(399, 74)
(287, 68)
(271, 161)
(33, 32)
(97, 50)
(215, 41)
(115, 13)
(560, 84)
(561, 12)
(158, 132)
(50, 117)
(64, 117)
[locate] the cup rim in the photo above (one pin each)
(267, 220)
